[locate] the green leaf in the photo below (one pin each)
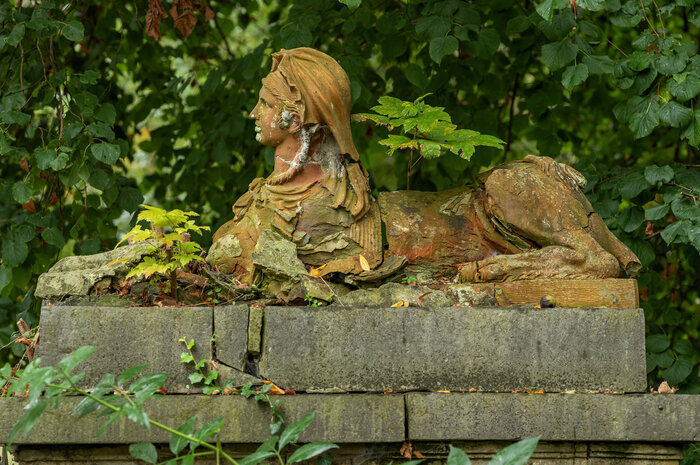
(633, 184)
(692, 132)
(679, 371)
(598, 64)
(70, 361)
(353, 5)
(5, 277)
(54, 237)
(663, 360)
(442, 46)
(106, 113)
(639, 60)
(129, 374)
(591, 5)
(73, 30)
(26, 423)
(429, 148)
(516, 454)
(268, 445)
(657, 343)
(105, 152)
(433, 26)
(683, 347)
(643, 123)
(21, 192)
(195, 377)
(683, 86)
(574, 75)
(291, 433)
(15, 117)
(457, 457)
(488, 43)
(517, 25)
(16, 35)
(658, 175)
(669, 64)
(130, 198)
(208, 430)
(416, 76)
(558, 54)
(177, 443)
(256, 457)
(295, 35)
(546, 9)
(14, 252)
(675, 114)
(137, 414)
(144, 451)
(101, 130)
(656, 212)
(311, 450)
(685, 209)
(671, 232)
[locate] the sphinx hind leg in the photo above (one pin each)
(546, 211)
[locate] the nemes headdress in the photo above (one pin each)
(314, 84)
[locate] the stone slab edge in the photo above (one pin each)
(384, 418)
(357, 418)
(557, 417)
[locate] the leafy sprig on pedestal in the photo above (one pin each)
(425, 129)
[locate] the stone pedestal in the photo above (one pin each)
(576, 377)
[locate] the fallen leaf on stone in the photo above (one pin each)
(276, 390)
(162, 390)
(473, 390)
(406, 450)
(267, 382)
(364, 263)
(443, 391)
(420, 298)
(664, 388)
(213, 365)
(539, 391)
(418, 455)
(401, 303)
(389, 391)
(317, 271)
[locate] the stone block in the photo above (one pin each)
(389, 294)
(557, 417)
(126, 337)
(490, 349)
(338, 418)
(231, 329)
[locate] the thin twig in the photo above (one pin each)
(644, 12)
(511, 112)
(658, 12)
(618, 48)
(21, 66)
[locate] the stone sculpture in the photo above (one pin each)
(524, 220)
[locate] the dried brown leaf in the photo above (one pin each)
(154, 16)
(364, 263)
(406, 450)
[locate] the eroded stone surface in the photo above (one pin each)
(231, 329)
(490, 349)
(338, 418)
(389, 294)
(558, 417)
(126, 337)
(75, 276)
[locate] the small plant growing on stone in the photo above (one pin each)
(199, 375)
(424, 130)
(167, 251)
(312, 302)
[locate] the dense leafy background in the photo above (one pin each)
(96, 116)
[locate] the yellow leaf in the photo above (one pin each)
(398, 304)
(317, 271)
(364, 263)
(405, 303)
(444, 392)
(539, 391)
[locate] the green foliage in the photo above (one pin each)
(167, 251)
(430, 129)
(516, 454)
(200, 375)
(46, 386)
(90, 125)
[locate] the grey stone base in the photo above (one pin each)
(480, 453)
(348, 349)
(385, 418)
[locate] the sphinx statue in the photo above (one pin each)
(524, 220)
(318, 195)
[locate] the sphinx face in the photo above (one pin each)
(268, 114)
